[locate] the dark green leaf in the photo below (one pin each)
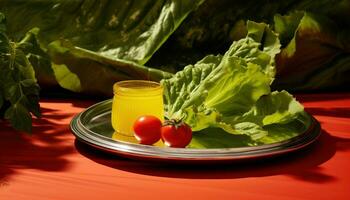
(31, 102)
(316, 55)
(19, 117)
(38, 58)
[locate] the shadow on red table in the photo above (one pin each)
(303, 165)
(45, 149)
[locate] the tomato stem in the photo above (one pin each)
(173, 122)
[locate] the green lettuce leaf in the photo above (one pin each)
(232, 92)
(218, 138)
(274, 118)
(225, 85)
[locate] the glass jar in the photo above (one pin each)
(133, 99)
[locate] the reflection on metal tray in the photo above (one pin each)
(93, 127)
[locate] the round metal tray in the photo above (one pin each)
(93, 127)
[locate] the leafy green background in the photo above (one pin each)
(301, 45)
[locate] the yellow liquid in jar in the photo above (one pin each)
(133, 99)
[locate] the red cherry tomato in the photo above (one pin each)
(176, 135)
(147, 129)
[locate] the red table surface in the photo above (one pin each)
(50, 164)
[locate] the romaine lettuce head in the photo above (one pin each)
(232, 91)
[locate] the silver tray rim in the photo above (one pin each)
(147, 152)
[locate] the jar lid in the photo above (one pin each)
(137, 88)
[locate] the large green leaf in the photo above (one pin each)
(279, 133)
(103, 37)
(81, 70)
(316, 55)
(276, 107)
(124, 29)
